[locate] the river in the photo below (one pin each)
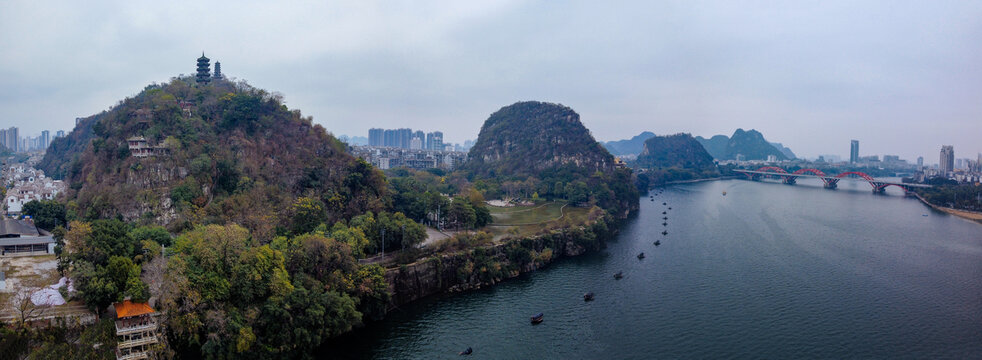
(766, 271)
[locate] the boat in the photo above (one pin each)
(652, 199)
(664, 203)
(923, 214)
(619, 275)
(663, 212)
(588, 296)
(724, 193)
(664, 224)
(640, 256)
(537, 318)
(657, 242)
(664, 232)
(669, 208)
(467, 352)
(665, 218)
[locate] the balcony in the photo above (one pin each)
(137, 342)
(125, 330)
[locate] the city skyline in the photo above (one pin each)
(704, 69)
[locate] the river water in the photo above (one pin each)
(767, 271)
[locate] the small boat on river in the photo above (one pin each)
(537, 318)
(657, 242)
(588, 296)
(640, 256)
(467, 352)
(724, 193)
(664, 232)
(619, 275)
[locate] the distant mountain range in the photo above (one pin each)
(632, 146)
(750, 144)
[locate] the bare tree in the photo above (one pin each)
(24, 305)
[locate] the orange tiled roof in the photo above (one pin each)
(129, 309)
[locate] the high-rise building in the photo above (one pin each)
(854, 151)
(60, 134)
(947, 163)
(375, 136)
(389, 138)
(920, 161)
(405, 136)
(416, 143)
(45, 139)
(11, 139)
(434, 141)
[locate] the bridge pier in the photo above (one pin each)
(878, 187)
(831, 183)
(790, 180)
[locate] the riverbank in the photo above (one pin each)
(970, 215)
(693, 181)
(484, 266)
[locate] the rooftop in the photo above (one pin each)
(128, 308)
(10, 226)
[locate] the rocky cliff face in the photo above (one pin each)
(480, 267)
(527, 137)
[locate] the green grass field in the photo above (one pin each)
(529, 220)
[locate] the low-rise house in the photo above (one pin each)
(22, 238)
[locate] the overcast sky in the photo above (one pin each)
(902, 77)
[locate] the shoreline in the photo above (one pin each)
(677, 182)
(964, 214)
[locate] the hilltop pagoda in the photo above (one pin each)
(204, 70)
(218, 71)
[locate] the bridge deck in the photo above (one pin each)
(772, 173)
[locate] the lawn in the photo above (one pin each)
(529, 220)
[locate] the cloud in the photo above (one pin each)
(901, 77)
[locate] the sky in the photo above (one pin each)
(902, 77)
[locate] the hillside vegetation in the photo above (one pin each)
(674, 157)
(750, 144)
(535, 149)
(234, 153)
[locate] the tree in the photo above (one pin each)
(23, 301)
(154, 233)
(307, 214)
(47, 214)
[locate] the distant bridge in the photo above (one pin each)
(831, 182)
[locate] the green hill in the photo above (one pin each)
(547, 148)
(221, 152)
(675, 151)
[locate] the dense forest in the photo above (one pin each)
(953, 195)
(245, 226)
(228, 152)
(542, 150)
(674, 158)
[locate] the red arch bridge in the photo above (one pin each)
(831, 181)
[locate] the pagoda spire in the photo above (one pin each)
(204, 70)
(218, 71)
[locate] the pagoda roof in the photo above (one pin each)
(128, 308)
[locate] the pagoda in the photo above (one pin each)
(218, 71)
(204, 70)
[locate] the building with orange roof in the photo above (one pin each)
(136, 330)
